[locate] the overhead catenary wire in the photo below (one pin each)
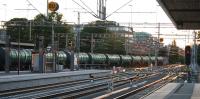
(119, 8)
(88, 8)
(85, 9)
(33, 6)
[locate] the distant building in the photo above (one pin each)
(2, 35)
(143, 44)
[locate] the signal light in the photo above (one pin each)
(187, 55)
(70, 43)
(161, 40)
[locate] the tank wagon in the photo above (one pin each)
(84, 59)
(24, 58)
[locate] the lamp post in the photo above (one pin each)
(5, 12)
(131, 16)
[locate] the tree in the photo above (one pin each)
(43, 26)
(105, 40)
(18, 26)
(111, 44)
(174, 56)
(86, 35)
(40, 26)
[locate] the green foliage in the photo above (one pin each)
(105, 40)
(40, 26)
(43, 26)
(18, 26)
(111, 45)
(174, 56)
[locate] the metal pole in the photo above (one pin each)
(18, 52)
(185, 45)
(7, 52)
(158, 46)
(53, 47)
(47, 9)
(78, 40)
(92, 45)
(125, 43)
(78, 34)
(195, 47)
(131, 16)
(66, 40)
(30, 31)
(5, 5)
(195, 54)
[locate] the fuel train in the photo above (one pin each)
(84, 59)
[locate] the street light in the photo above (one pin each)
(131, 15)
(5, 6)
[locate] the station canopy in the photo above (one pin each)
(185, 14)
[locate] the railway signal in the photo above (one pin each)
(187, 55)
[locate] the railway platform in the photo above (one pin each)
(177, 91)
(27, 79)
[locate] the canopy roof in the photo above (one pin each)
(185, 14)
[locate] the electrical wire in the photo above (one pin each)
(84, 8)
(119, 8)
(88, 8)
(33, 6)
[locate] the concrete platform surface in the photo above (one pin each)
(9, 78)
(177, 91)
(8, 82)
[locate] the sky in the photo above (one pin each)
(15, 8)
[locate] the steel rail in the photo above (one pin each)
(141, 88)
(97, 88)
(42, 87)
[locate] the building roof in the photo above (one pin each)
(141, 36)
(185, 14)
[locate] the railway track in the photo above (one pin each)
(130, 92)
(103, 87)
(51, 91)
(82, 88)
(29, 89)
(36, 90)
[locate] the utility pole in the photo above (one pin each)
(92, 43)
(78, 40)
(130, 25)
(157, 46)
(30, 31)
(78, 34)
(194, 54)
(66, 40)
(5, 5)
(47, 9)
(101, 9)
(53, 6)
(18, 51)
(53, 46)
(7, 52)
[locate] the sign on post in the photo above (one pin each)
(53, 6)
